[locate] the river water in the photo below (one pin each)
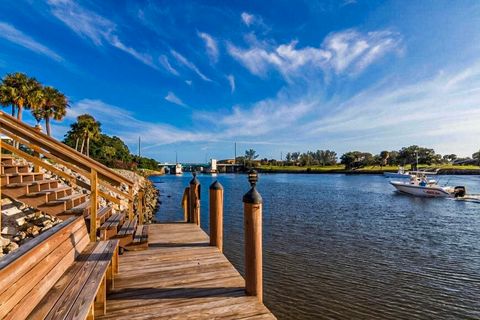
(349, 247)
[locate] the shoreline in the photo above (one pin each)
(471, 172)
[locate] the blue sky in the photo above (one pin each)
(275, 76)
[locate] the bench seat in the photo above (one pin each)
(127, 232)
(59, 274)
(140, 239)
(110, 227)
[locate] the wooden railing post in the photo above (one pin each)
(93, 204)
(140, 207)
(252, 210)
(186, 204)
(36, 168)
(1, 168)
(195, 200)
(130, 203)
(216, 215)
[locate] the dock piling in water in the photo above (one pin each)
(252, 209)
(195, 200)
(216, 215)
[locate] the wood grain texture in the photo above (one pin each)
(180, 277)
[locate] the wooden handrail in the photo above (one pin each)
(10, 125)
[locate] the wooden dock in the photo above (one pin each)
(180, 277)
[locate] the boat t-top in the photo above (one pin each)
(419, 185)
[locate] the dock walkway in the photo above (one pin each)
(180, 277)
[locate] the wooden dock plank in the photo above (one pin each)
(180, 277)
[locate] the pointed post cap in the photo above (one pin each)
(194, 179)
(216, 186)
(252, 196)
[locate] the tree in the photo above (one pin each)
(52, 104)
(384, 155)
(20, 92)
(476, 156)
(86, 128)
(357, 159)
(449, 158)
(250, 155)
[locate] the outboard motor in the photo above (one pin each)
(459, 191)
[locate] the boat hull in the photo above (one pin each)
(421, 191)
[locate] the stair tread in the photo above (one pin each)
(66, 198)
(21, 174)
(29, 183)
(48, 191)
(14, 165)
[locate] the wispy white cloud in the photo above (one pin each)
(94, 27)
(211, 46)
(189, 82)
(231, 81)
(122, 123)
(171, 97)
(185, 62)
(347, 51)
(166, 64)
(12, 34)
(440, 112)
(247, 18)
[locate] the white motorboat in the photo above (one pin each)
(401, 173)
(178, 169)
(420, 186)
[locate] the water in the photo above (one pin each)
(338, 246)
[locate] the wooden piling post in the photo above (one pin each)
(216, 215)
(252, 210)
(93, 204)
(186, 204)
(195, 200)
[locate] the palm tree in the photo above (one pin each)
(19, 91)
(50, 103)
(90, 130)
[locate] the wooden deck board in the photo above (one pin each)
(180, 277)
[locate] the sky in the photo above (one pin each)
(194, 77)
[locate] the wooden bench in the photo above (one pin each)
(140, 239)
(59, 274)
(125, 235)
(110, 227)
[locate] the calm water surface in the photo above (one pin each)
(338, 246)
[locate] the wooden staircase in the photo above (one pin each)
(31, 182)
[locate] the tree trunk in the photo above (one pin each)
(88, 146)
(83, 144)
(76, 143)
(19, 114)
(13, 110)
(47, 125)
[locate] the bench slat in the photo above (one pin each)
(21, 288)
(80, 308)
(63, 305)
(25, 306)
(128, 228)
(29, 255)
(48, 301)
